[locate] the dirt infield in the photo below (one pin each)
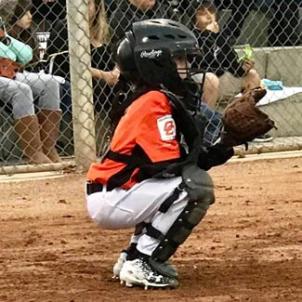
(248, 248)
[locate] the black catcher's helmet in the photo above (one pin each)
(146, 53)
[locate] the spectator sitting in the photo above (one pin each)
(20, 27)
(226, 76)
(38, 133)
(103, 68)
(240, 9)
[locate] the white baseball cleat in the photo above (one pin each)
(119, 264)
(138, 272)
(165, 268)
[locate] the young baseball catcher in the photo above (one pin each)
(153, 177)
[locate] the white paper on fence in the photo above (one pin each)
(276, 95)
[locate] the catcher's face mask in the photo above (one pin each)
(183, 65)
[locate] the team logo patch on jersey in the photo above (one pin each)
(167, 128)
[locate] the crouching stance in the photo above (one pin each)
(151, 179)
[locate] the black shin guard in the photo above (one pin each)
(180, 230)
(201, 193)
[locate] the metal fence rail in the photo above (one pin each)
(62, 92)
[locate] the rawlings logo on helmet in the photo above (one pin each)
(151, 54)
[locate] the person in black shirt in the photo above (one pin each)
(220, 60)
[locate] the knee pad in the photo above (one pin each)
(198, 184)
(201, 194)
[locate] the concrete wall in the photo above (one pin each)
(285, 65)
(287, 116)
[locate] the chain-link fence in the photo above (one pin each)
(58, 76)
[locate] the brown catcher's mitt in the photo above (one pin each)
(243, 121)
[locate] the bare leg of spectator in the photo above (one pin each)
(50, 123)
(211, 89)
(28, 130)
(251, 80)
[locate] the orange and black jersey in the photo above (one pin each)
(144, 137)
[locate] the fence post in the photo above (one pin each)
(81, 83)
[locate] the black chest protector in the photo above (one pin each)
(190, 125)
